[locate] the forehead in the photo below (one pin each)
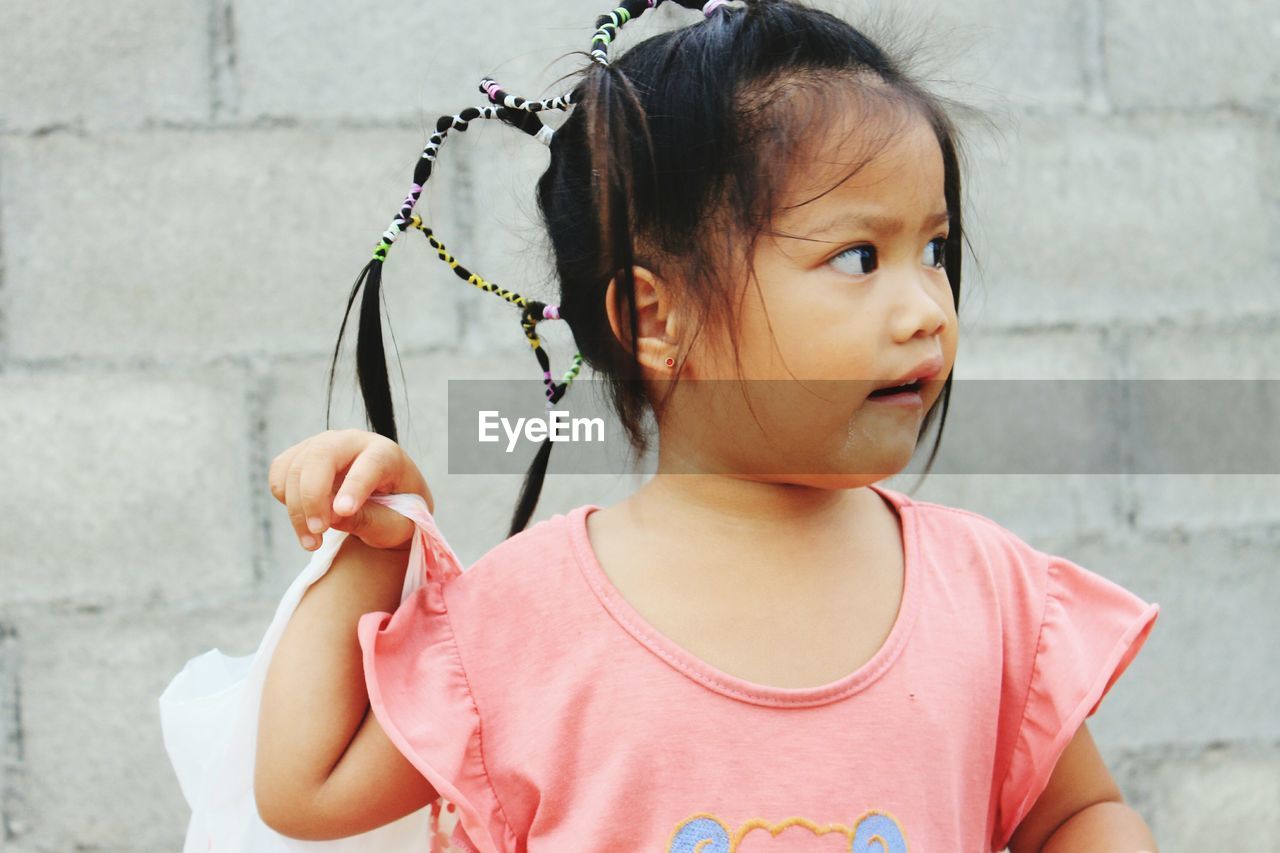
(882, 161)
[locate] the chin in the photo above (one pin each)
(882, 447)
(855, 473)
(842, 481)
(886, 461)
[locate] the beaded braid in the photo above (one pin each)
(520, 113)
(534, 311)
(608, 24)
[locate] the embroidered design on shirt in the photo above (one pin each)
(876, 831)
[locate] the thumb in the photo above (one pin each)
(378, 527)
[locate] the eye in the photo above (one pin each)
(939, 245)
(860, 260)
(858, 256)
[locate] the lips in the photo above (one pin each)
(913, 387)
(922, 372)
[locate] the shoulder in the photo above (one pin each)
(958, 536)
(523, 576)
(522, 617)
(993, 577)
(937, 516)
(1027, 579)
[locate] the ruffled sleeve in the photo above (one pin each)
(419, 692)
(1090, 631)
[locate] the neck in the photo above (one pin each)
(731, 506)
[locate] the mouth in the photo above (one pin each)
(908, 394)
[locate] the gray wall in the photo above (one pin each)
(190, 188)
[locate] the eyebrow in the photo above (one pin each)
(874, 222)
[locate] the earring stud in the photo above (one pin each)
(670, 361)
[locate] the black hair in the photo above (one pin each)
(662, 144)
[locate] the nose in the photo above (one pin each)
(919, 309)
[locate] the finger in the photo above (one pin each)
(378, 527)
(372, 469)
(293, 498)
(325, 456)
(279, 469)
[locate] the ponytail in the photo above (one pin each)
(371, 367)
(609, 88)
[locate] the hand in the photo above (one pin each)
(351, 464)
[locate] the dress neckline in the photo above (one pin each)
(738, 688)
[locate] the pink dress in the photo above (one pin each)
(553, 717)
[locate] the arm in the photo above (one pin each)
(1081, 808)
(1103, 826)
(325, 768)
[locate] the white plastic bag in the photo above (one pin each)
(209, 720)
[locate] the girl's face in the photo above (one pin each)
(854, 298)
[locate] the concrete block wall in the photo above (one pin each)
(188, 190)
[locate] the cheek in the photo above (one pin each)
(801, 333)
(772, 335)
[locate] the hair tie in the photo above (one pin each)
(711, 6)
(608, 24)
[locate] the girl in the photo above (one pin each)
(761, 645)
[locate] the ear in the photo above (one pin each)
(658, 322)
